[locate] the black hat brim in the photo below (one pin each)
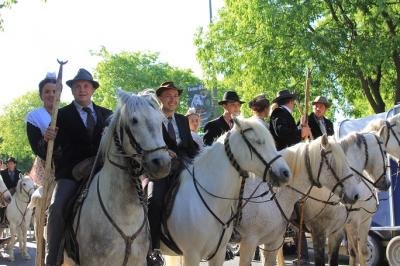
(227, 101)
(291, 96)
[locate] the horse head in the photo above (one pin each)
(25, 187)
(254, 150)
(371, 145)
(392, 137)
(136, 127)
(329, 155)
(5, 195)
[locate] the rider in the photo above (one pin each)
(77, 137)
(317, 121)
(180, 143)
(10, 177)
(217, 127)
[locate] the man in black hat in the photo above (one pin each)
(177, 136)
(217, 127)
(11, 174)
(282, 124)
(317, 121)
(79, 130)
(10, 177)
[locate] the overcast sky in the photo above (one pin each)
(37, 33)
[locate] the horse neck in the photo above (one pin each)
(286, 196)
(216, 174)
(117, 185)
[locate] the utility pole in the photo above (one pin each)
(210, 10)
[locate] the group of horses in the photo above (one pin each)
(336, 179)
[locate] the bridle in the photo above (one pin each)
(364, 179)
(391, 130)
(324, 159)
(28, 194)
(235, 163)
(242, 173)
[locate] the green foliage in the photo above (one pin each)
(134, 72)
(263, 46)
(13, 129)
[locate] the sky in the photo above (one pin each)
(36, 34)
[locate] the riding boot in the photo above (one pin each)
(155, 258)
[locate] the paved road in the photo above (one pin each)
(19, 261)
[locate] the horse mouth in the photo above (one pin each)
(279, 180)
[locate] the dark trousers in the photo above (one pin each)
(63, 192)
(304, 246)
(156, 208)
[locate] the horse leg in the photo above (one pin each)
(362, 241)
(219, 258)
(270, 257)
(319, 239)
(10, 246)
(352, 245)
(280, 259)
(334, 242)
(191, 259)
(247, 249)
(23, 248)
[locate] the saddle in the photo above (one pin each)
(81, 173)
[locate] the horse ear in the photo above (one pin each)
(383, 132)
(237, 122)
(122, 95)
(325, 142)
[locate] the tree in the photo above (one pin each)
(135, 71)
(264, 46)
(13, 129)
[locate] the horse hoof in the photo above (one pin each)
(11, 258)
(27, 257)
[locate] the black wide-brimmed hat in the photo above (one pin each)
(284, 94)
(321, 99)
(83, 74)
(168, 85)
(11, 159)
(230, 96)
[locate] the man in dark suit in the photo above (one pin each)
(11, 174)
(180, 143)
(282, 124)
(317, 121)
(10, 177)
(80, 126)
(217, 127)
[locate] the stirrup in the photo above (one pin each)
(155, 258)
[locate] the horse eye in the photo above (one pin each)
(134, 120)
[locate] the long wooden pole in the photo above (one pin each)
(48, 177)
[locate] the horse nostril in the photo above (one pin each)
(156, 162)
(356, 197)
(8, 199)
(286, 173)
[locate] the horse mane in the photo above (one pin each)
(131, 103)
(374, 125)
(349, 139)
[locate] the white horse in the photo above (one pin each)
(112, 227)
(367, 156)
(19, 216)
(265, 219)
(201, 219)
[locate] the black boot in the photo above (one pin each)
(155, 258)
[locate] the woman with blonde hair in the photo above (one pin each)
(194, 124)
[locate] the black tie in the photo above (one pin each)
(171, 130)
(89, 120)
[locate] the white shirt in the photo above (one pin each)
(175, 125)
(83, 114)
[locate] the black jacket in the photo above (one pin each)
(73, 142)
(214, 129)
(7, 180)
(283, 128)
(187, 147)
(315, 130)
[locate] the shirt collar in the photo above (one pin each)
(79, 107)
(287, 108)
